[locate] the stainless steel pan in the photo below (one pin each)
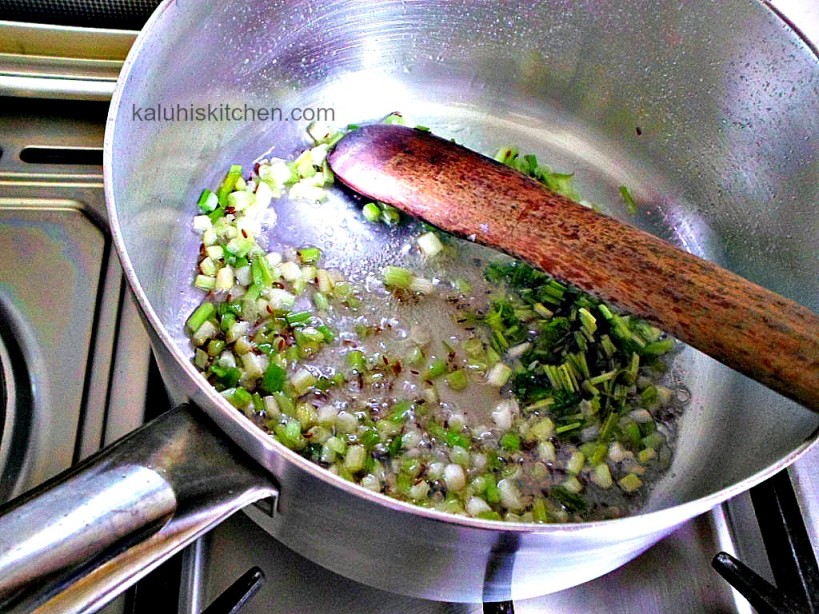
(709, 112)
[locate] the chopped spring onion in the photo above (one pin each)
(274, 378)
(631, 205)
(576, 462)
(200, 316)
(454, 477)
(510, 441)
(302, 380)
(630, 483)
(280, 300)
(390, 215)
(309, 255)
(422, 286)
(290, 271)
(498, 375)
(371, 212)
(429, 244)
(504, 413)
(228, 184)
(354, 459)
(224, 278)
(574, 382)
(397, 277)
(204, 282)
(240, 200)
(457, 380)
(202, 223)
(208, 201)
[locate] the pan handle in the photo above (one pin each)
(77, 541)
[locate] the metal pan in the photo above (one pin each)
(708, 113)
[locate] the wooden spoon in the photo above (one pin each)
(749, 328)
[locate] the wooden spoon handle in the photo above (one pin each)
(749, 328)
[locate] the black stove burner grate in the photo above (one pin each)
(117, 14)
(790, 553)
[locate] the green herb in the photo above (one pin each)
(202, 313)
(274, 378)
(573, 502)
(309, 255)
(397, 277)
(510, 441)
(457, 380)
(208, 201)
(228, 184)
(631, 205)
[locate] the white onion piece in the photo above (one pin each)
(201, 223)
(243, 275)
(227, 360)
(254, 364)
(224, 278)
(518, 350)
(206, 331)
(419, 490)
(510, 495)
(454, 477)
(641, 416)
(371, 482)
(498, 375)
(617, 453)
(504, 412)
(346, 422)
(420, 335)
(476, 505)
(271, 406)
(327, 415)
(239, 329)
(429, 244)
(411, 439)
(546, 451)
(290, 271)
(436, 470)
(601, 476)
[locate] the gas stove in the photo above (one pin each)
(76, 373)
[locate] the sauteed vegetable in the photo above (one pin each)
(541, 404)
